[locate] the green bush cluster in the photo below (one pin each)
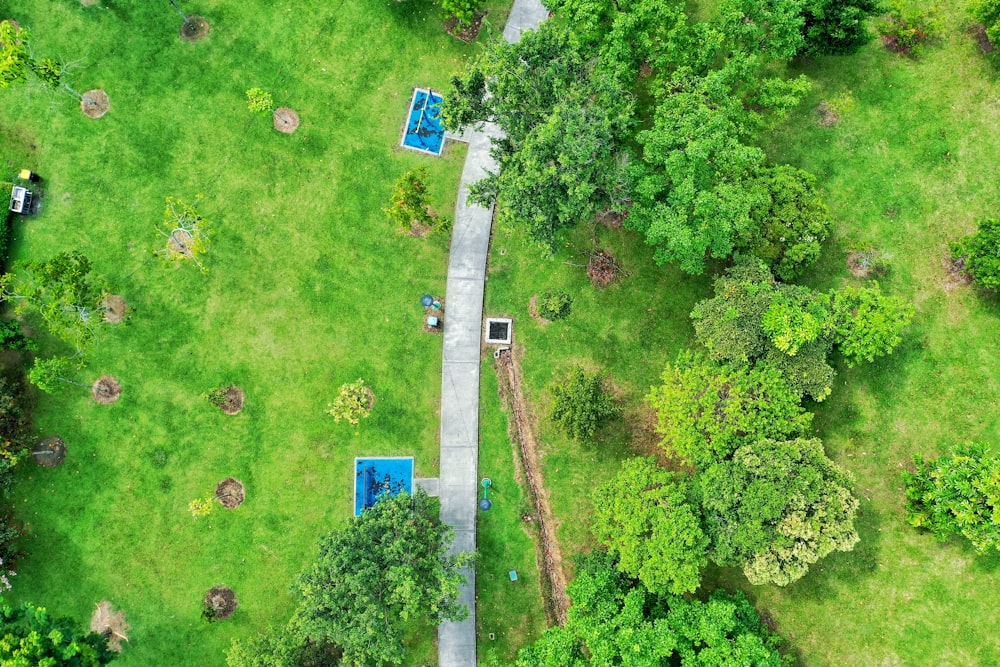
(581, 403)
(979, 254)
(555, 304)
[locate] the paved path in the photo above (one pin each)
(463, 325)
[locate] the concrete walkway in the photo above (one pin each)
(463, 327)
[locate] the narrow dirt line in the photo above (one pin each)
(547, 553)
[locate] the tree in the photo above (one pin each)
(286, 647)
(463, 11)
(44, 373)
(979, 254)
(581, 403)
(353, 402)
(866, 323)
(409, 204)
(30, 636)
(186, 230)
(63, 292)
(957, 494)
(648, 517)
(15, 59)
(619, 623)
(837, 26)
(987, 13)
(383, 569)
(706, 411)
(776, 508)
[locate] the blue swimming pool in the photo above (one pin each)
(377, 475)
(424, 127)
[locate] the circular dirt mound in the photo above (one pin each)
(107, 390)
(221, 601)
(230, 492)
(286, 120)
(232, 400)
(602, 269)
(115, 308)
(195, 28)
(50, 452)
(95, 103)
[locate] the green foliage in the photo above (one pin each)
(259, 101)
(867, 324)
(957, 494)
(30, 636)
(987, 13)
(979, 254)
(353, 402)
(792, 224)
(463, 10)
(646, 517)
(705, 410)
(386, 567)
(776, 508)
(15, 413)
(62, 291)
(46, 373)
(12, 338)
(837, 26)
(217, 397)
(907, 27)
(621, 624)
(15, 59)
(555, 304)
(186, 230)
(282, 648)
(409, 204)
(198, 508)
(581, 403)
(48, 71)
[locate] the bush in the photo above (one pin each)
(352, 403)
(836, 26)
(906, 28)
(555, 304)
(409, 204)
(979, 254)
(987, 13)
(463, 10)
(259, 100)
(581, 403)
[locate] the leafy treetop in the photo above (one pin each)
(980, 253)
(30, 636)
(582, 403)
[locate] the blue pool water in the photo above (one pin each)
(424, 129)
(378, 475)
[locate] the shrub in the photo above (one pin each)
(581, 403)
(409, 204)
(906, 28)
(979, 254)
(463, 10)
(987, 13)
(836, 26)
(259, 101)
(352, 403)
(555, 304)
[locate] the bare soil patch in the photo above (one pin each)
(286, 120)
(856, 267)
(979, 33)
(50, 452)
(106, 390)
(611, 219)
(955, 274)
(180, 242)
(548, 555)
(115, 308)
(233, 398)
(110, 624)
(95, 103)
(463, 32)
(195, 28)
(220, 603)
(826, 114)
(602, 268)
(533, 311)
(230, 492)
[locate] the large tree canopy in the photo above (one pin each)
(386, 567)
(29, 636)
(776, 508)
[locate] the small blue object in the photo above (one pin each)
(433, 322)
(426, 300)
(487, 482)
(485, 504)
(424, 130)
(513, 575)
(376, 476)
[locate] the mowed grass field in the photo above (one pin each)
(308, 287)
(910, 168)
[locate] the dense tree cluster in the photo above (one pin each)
(30, 636)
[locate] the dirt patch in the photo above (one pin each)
(230, 492)
(50, 452)
(857, 268)
(233, 398)
(548, 555)
(286, 120)
(955, 273)
(106, 390)
(115, 308)
(195, 28)
(180, 242)
(220, 603)
(465, 33)
(533, 310)
(611, 219)
(602, 269)
(827, 116)
(110, 624)
(95, 103)
(89, 3)
(979, 33)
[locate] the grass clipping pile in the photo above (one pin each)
(110, 624)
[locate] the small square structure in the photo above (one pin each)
(375, 476)
(499, 330)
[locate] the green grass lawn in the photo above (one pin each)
(309, 287)
(909, 169)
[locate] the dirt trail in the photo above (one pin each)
(547, 553)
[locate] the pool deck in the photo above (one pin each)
(459, 476)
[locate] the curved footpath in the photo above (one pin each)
(459, 470)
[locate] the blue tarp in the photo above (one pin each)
(424, 129)
(376, 476)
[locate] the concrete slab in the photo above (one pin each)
(459, 416)
(459, 467)
(430, 485)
